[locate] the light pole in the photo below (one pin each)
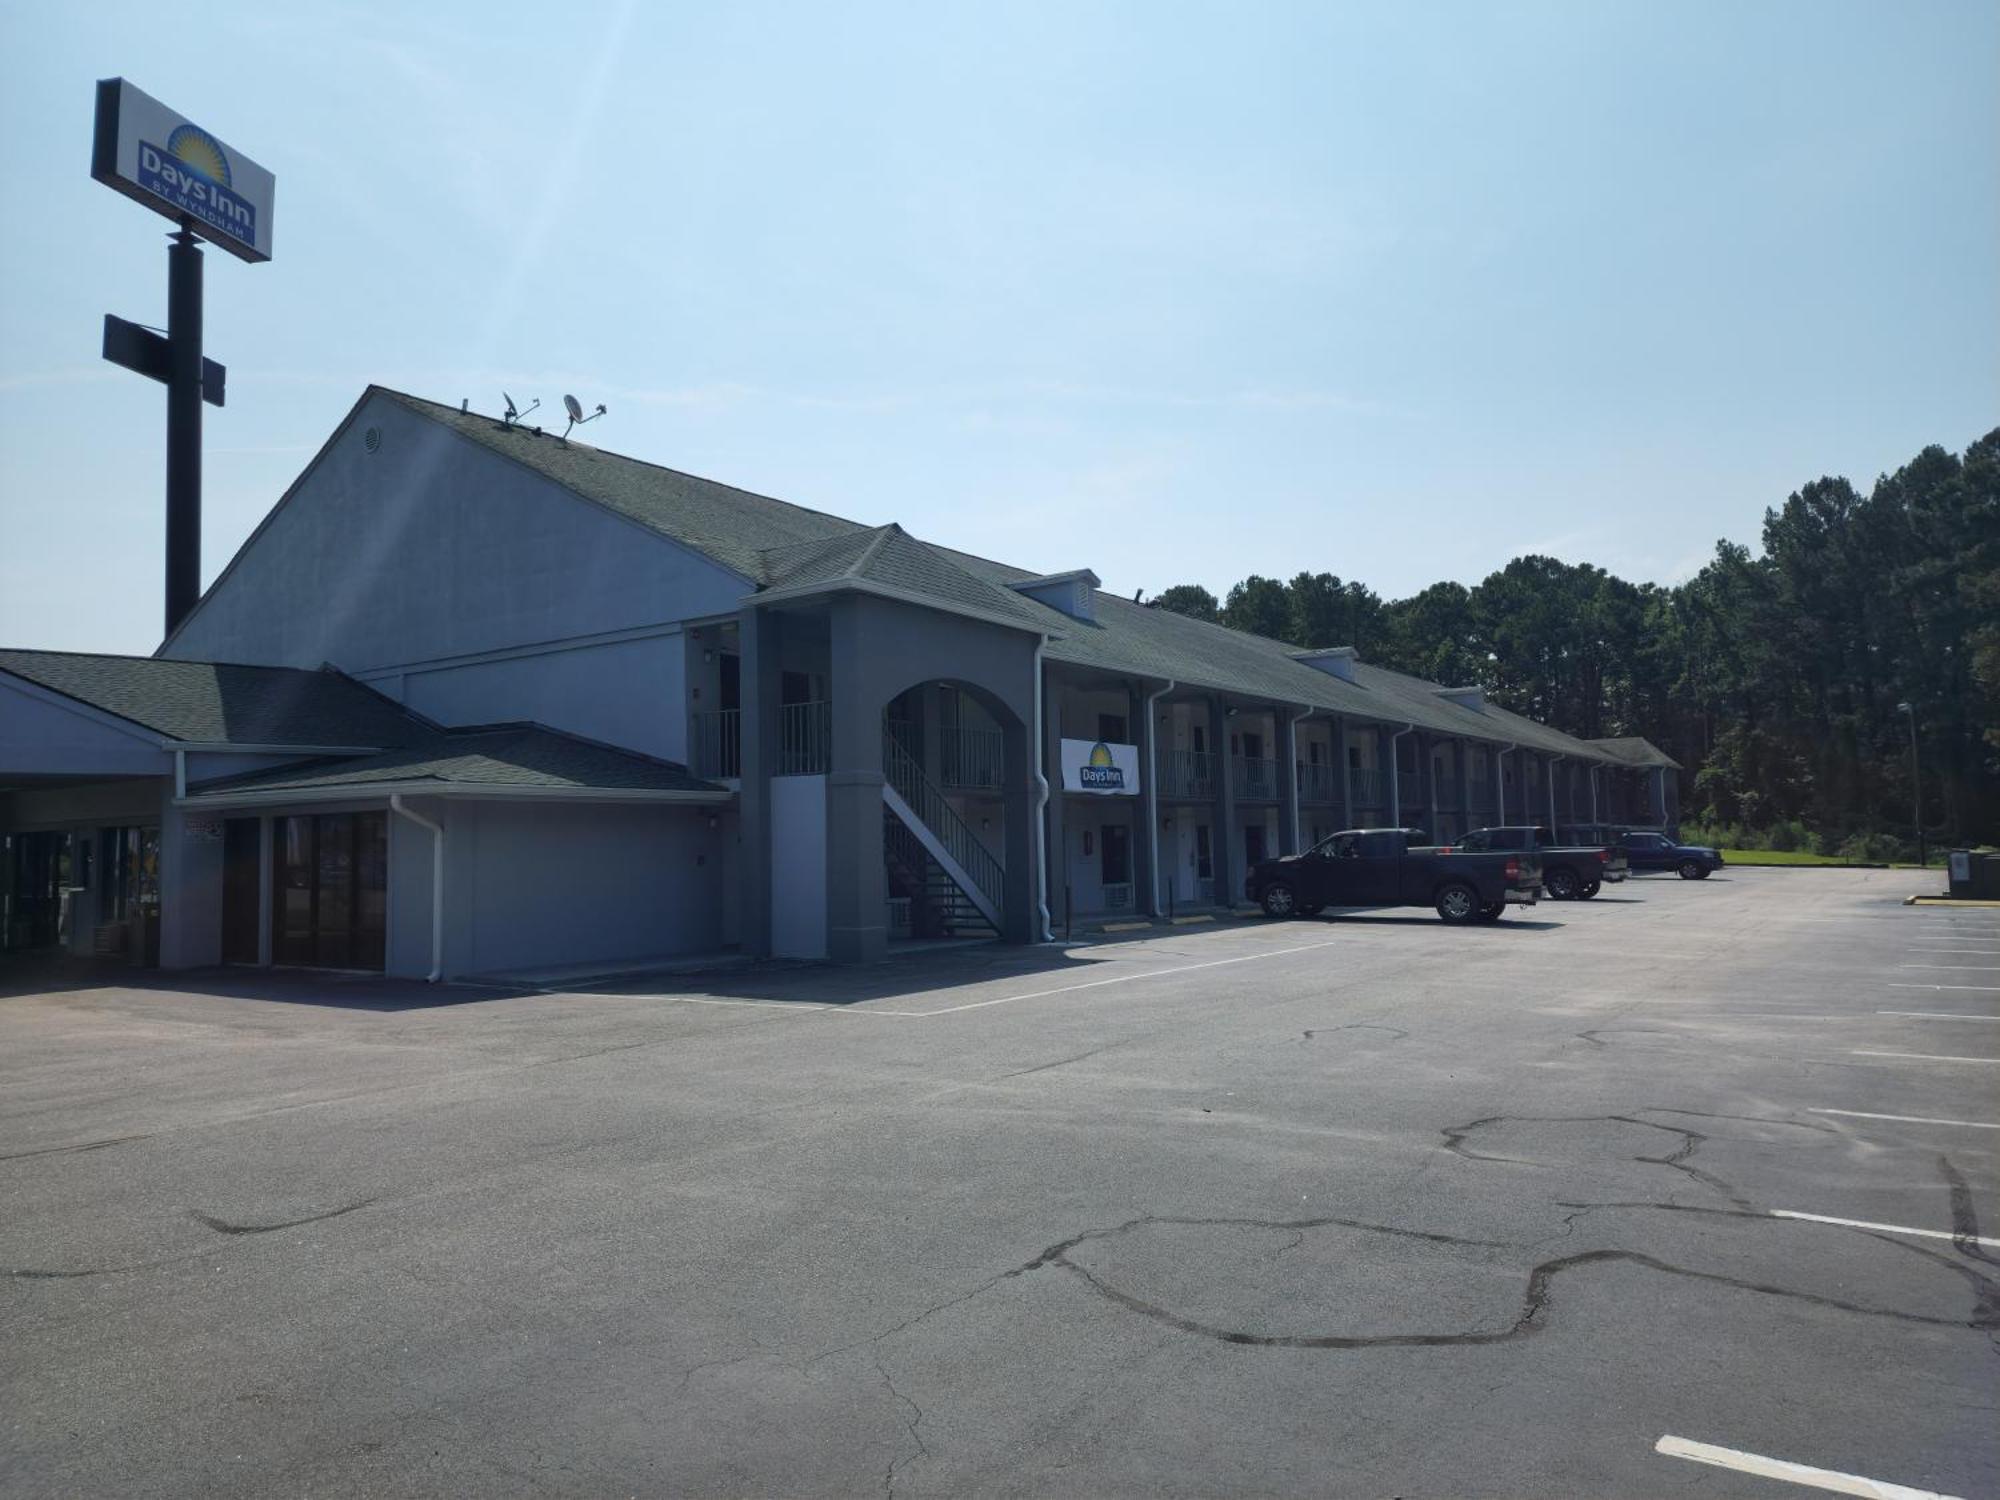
(1916, 783)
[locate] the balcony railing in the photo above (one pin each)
(718, 743)
(1370, 790)
(972, 759)
(1256, 779)
(1187, 773)
(1318, 783)
(805, 739)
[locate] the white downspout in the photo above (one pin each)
(1552, 792)
(1292, 770)
(1500, 780)
(1396, 778)
(180, 775)
(1044, 934)
(1592, 772)
(1153, 790)
(437, 882)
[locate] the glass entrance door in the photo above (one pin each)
(330, 885)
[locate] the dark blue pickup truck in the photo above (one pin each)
(1395, 867)
(1655, 851)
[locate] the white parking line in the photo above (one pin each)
(1862, 1114)
(1922, 1234)
(1961, 968)
(1935, 1015)
(1984, 989)
(1778, 1468)
(1091, 984)
(1926, 1057)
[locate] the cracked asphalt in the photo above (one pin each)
(1361, 1205)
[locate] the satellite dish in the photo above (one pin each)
(576, 417)
(512, 416)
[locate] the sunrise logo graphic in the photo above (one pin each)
(201, 151)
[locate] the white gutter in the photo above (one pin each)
(1292, 768)
(1396, 778)
(437, 883)
(1044, 932)
(1153, 791)
(362, 791)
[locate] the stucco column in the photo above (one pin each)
(857, 897)
(1228, 859)
(1057, 848)
(1346, 771)
(1467, 815)
(758, 639)
(1288, 781)
(190, 886)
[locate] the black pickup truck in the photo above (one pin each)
(1394, 867)
(1571, 871)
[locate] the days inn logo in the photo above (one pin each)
(192, 173)
(1099, 771)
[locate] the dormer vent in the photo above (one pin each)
(1073, 593)
(1335, 661)
(1473, 698)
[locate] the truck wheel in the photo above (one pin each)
(1278, 900)
(1563, 885)
(1458, 903)
(1493, 913)
(1690, 870)
(1591, 888)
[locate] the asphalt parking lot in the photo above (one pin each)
(1353, 1206)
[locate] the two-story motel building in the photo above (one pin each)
(472, 700)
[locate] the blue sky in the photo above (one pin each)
(1179, 293)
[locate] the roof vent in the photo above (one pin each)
(372, 440)
(1074, 593)
(1335, 661)
(1473, 698)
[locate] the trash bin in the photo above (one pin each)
(1958, 870)
(1986, 876)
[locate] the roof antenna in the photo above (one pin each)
(576, 417)
(1138, 594)
(512, 417)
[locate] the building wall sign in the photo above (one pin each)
(1100, 767)
(174, 167)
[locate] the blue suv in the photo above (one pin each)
(1655, 851)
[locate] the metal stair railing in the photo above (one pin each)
(913, 797)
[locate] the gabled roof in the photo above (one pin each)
(888, 560)
(789, 551)
(734, 527)
(1635, 750)
(216, 703)
(494, 758)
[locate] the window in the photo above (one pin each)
(1476, 843)
(795, 687)
(1111, 728)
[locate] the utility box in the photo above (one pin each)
(1986, 876)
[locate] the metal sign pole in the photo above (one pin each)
(183, 426)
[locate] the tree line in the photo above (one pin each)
(1777, 678)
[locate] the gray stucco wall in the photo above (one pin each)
(529, 884)
(434, 547)
(626, 692)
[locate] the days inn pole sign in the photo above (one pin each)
(215, 193)
(167, 162)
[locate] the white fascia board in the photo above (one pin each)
(463, 791)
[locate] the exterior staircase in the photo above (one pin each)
(938, 908)
(934, 858)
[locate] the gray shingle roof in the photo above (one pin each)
(781, 546)
(497, 757)
(735, 527)
(1635, 750)
(888, 557)
(217, 703)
